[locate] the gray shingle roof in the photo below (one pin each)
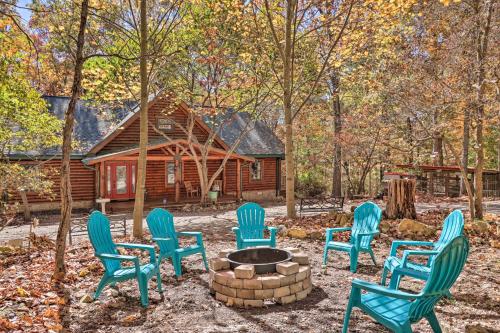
(93, 124)
(259, 140)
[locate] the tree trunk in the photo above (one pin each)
(143, 136)
(287, 106)
(438, 142)
(337, 148)
(481, 53)
(401, 199)
(69, 120)
(465, 147)
(409, 139)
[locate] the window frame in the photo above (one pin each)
(261, 171)
(167, 163)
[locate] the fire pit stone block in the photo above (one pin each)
(235, 283)
(287, 268)
(303, 272)
(264, 294)
(245, 293)
(244, 271)
(221, 297)
(223, 277)
(219, 264)
(287, 280)
(282, 291)
(253, 303)
(254, 283)
(296, 287)
(270, 281)
(300, 258)
(287, 299)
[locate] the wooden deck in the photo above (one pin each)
(128, 205)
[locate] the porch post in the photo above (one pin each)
(223, 189)
(177, 175)
(102, 180)
(238, 178)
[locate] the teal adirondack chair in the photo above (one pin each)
(105, 250)
(161, 225)
(250, 230)
(366, 220)
(453, 226)
(397, 310)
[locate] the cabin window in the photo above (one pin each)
(108, 178)
(256, 170)
(133, 178)
(170, 173)
(164, 124)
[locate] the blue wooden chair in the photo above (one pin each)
(366, 220)
(250, 230)
(161, 225)
(453, 226)
(397, 310)
(105, 250)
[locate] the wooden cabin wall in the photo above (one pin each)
(129, 137)
(82, 182)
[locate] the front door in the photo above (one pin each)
(121, 180)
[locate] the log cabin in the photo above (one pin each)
(104, 159)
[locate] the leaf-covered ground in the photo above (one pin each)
(30, 302)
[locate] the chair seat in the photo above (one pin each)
(189, 249)
(129, 272)
(341, 246)
(386, 308)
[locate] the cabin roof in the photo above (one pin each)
(97, 123)
(453, 168)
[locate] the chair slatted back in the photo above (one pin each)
(453, 226)
(445, 270)
(100, 236)
(161, 225)
(366, 219)
(251, 220)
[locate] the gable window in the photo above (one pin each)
(256, 170)
(164, 124)
(170, 173)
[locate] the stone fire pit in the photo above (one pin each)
(260, 276)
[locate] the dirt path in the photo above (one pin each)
(197, 221)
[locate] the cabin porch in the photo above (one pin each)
(172, 176)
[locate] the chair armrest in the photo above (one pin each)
(380, 290)
(197, 234)
(272, 230)
(396, 244)
(408, 253)
(143, 247)
(331, 231)
(121, 257)
(188, 233)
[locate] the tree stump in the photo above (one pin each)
(401, 199)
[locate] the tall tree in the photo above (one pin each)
(291, 25)
(69, 120)
(143, 136)
(483, 10)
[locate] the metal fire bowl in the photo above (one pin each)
(264, 259)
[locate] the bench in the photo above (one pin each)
(321, 204)
(117, 223)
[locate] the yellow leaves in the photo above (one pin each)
(83, 272)
(22, 292)
(446, 3)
